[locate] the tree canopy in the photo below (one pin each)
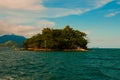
(66, 38)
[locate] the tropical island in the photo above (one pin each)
(66, 39)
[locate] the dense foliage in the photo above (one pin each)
(66, 38)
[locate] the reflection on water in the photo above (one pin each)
(102, 64)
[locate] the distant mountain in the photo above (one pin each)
(15, 38)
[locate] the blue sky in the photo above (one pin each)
(98, 18)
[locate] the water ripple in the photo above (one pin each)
(28, 65)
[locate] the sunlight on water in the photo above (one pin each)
(102, 64)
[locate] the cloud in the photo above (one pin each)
(101, 3)
(22, 4)
(75, 4)
(31, 17)
(28, 31)
(115, 10)
(27, 17)
(45, 23)
(24, 8)
(112, 14)
(118, 3)
(60, 12)
(66, 8)
(6, 28)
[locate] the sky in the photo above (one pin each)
(100, 19)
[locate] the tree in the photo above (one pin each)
(66, 38)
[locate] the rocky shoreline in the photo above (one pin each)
(35, 49)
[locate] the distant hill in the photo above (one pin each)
(15, 38)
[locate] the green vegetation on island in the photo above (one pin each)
(10, 44)
(57, 39)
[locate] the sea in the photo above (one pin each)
(95, 64)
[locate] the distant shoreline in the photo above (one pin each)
(35, 49)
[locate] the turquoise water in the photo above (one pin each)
(97, 64)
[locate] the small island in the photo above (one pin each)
(50, 39)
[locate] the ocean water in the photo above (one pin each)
(96, 64)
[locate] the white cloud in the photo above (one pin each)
(101, 3)
(118, 3)
(60, 12)
(45, 23)
(42, 11)
(32, 14)
(112, 14)
(28, 31)
(20, 16)
(22, 4)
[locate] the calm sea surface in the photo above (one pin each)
(97, 64)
